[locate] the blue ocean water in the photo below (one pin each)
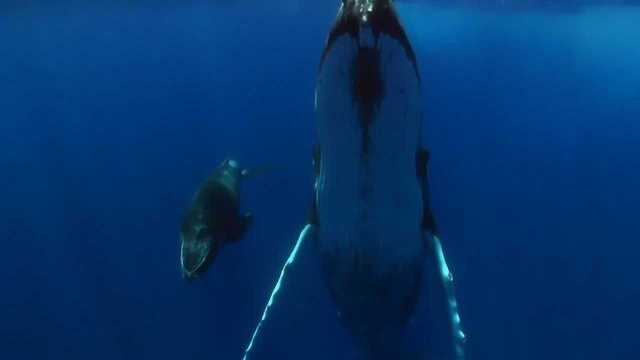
(111, 114)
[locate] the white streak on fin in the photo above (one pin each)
(454, 316)
(306, 231)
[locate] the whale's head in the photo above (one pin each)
(211, 220)
(198, 248)
(362, 40)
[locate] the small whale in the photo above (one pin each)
(213, 219)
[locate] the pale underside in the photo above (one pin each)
(369, 203)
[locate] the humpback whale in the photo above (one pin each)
(371, 225)
(213, 219)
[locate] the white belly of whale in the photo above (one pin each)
(369, 205)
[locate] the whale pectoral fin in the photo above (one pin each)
(307, 232)
(299, 314)
(422, 162)
(444, 297)
(296, 310)
(437, 314)
(422, 172)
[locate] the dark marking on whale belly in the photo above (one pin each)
(367, 89)
(382, 21)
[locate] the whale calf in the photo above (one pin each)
(213, 219)
(371, 227)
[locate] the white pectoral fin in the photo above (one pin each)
(306, 233)
(444, 316)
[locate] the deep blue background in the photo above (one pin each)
(111, 115)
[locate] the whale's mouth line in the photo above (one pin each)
(194, 256)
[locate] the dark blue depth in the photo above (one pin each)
(110, 116)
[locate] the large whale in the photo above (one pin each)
(371, 224)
